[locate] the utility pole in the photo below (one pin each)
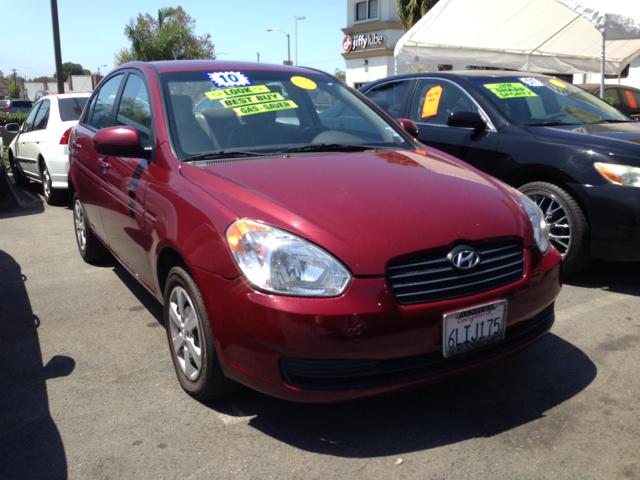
(258, 57)
(56, 45)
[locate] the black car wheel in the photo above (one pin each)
(568, 226)
(53, 197)
(190, 339)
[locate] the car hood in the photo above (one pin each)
(368, 208)
(620, 136)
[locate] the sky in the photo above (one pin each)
(92, 32)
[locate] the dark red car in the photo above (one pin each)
(311, 262)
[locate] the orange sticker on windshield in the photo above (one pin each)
(431, 102)
(632, 101)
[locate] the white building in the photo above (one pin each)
(372, 31)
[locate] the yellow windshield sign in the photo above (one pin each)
(265, 107)
(250, 100)
(510, 90)
(236, 92)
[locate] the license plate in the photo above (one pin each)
(473, 328)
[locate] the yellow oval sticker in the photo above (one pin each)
(557, 83)
(304, 83)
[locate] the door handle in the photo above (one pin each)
(104, 165)
(76, 145)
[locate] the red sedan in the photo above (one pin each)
(309, 257)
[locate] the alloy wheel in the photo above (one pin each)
(46, 181)
(556, 216)
(81, 232)
(185, 333)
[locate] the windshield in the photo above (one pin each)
(266, 112)
(534, 101)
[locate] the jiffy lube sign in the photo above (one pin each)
(360, 42)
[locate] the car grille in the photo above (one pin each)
(338, 374)
(432, 278)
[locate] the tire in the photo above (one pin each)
(571, 237)
(190, 339)
(19, 179)
(90, 247)
(51, 195)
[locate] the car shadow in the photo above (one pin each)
(30, 443)
(144, 297)
(620, 277)
(481, 404)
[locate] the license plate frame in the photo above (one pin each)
(492, 316)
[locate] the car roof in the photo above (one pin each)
(70, 95)
(215, 65)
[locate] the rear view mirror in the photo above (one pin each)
(466, 120)
(119, 142)
(409, 126)
(12, 127)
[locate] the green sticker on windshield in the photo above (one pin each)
(510, 90)
(236, 92)
(611, 100)
(265, 107)
(250, 100)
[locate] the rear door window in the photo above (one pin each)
(42, 118)
(390, 96)
(71, 108)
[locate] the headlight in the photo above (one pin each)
(280, 262)
(619, 174)
(540, 227)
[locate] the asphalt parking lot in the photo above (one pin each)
(87, 389)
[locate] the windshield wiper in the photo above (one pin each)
(225, 154)
(609, 120)
(548, 124)
(331, 147)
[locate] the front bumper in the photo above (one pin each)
(614, 220)
(313, 350)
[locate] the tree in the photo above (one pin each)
(69, 68)
(169, 37)
(43, 78)
(410, 11)
(340, 74)
(14, 90)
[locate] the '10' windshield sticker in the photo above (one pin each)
(510, 90)
(532, 82)
(229, 79)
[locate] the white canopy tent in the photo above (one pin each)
(552, 36)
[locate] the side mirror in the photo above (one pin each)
(466, 120)
(119, 142)
(409, 126)
(12, 127)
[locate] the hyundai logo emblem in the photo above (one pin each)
(463, 257)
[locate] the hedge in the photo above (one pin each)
(17, 117)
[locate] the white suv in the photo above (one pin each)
(40, 150)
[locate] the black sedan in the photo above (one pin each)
(576, 156)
